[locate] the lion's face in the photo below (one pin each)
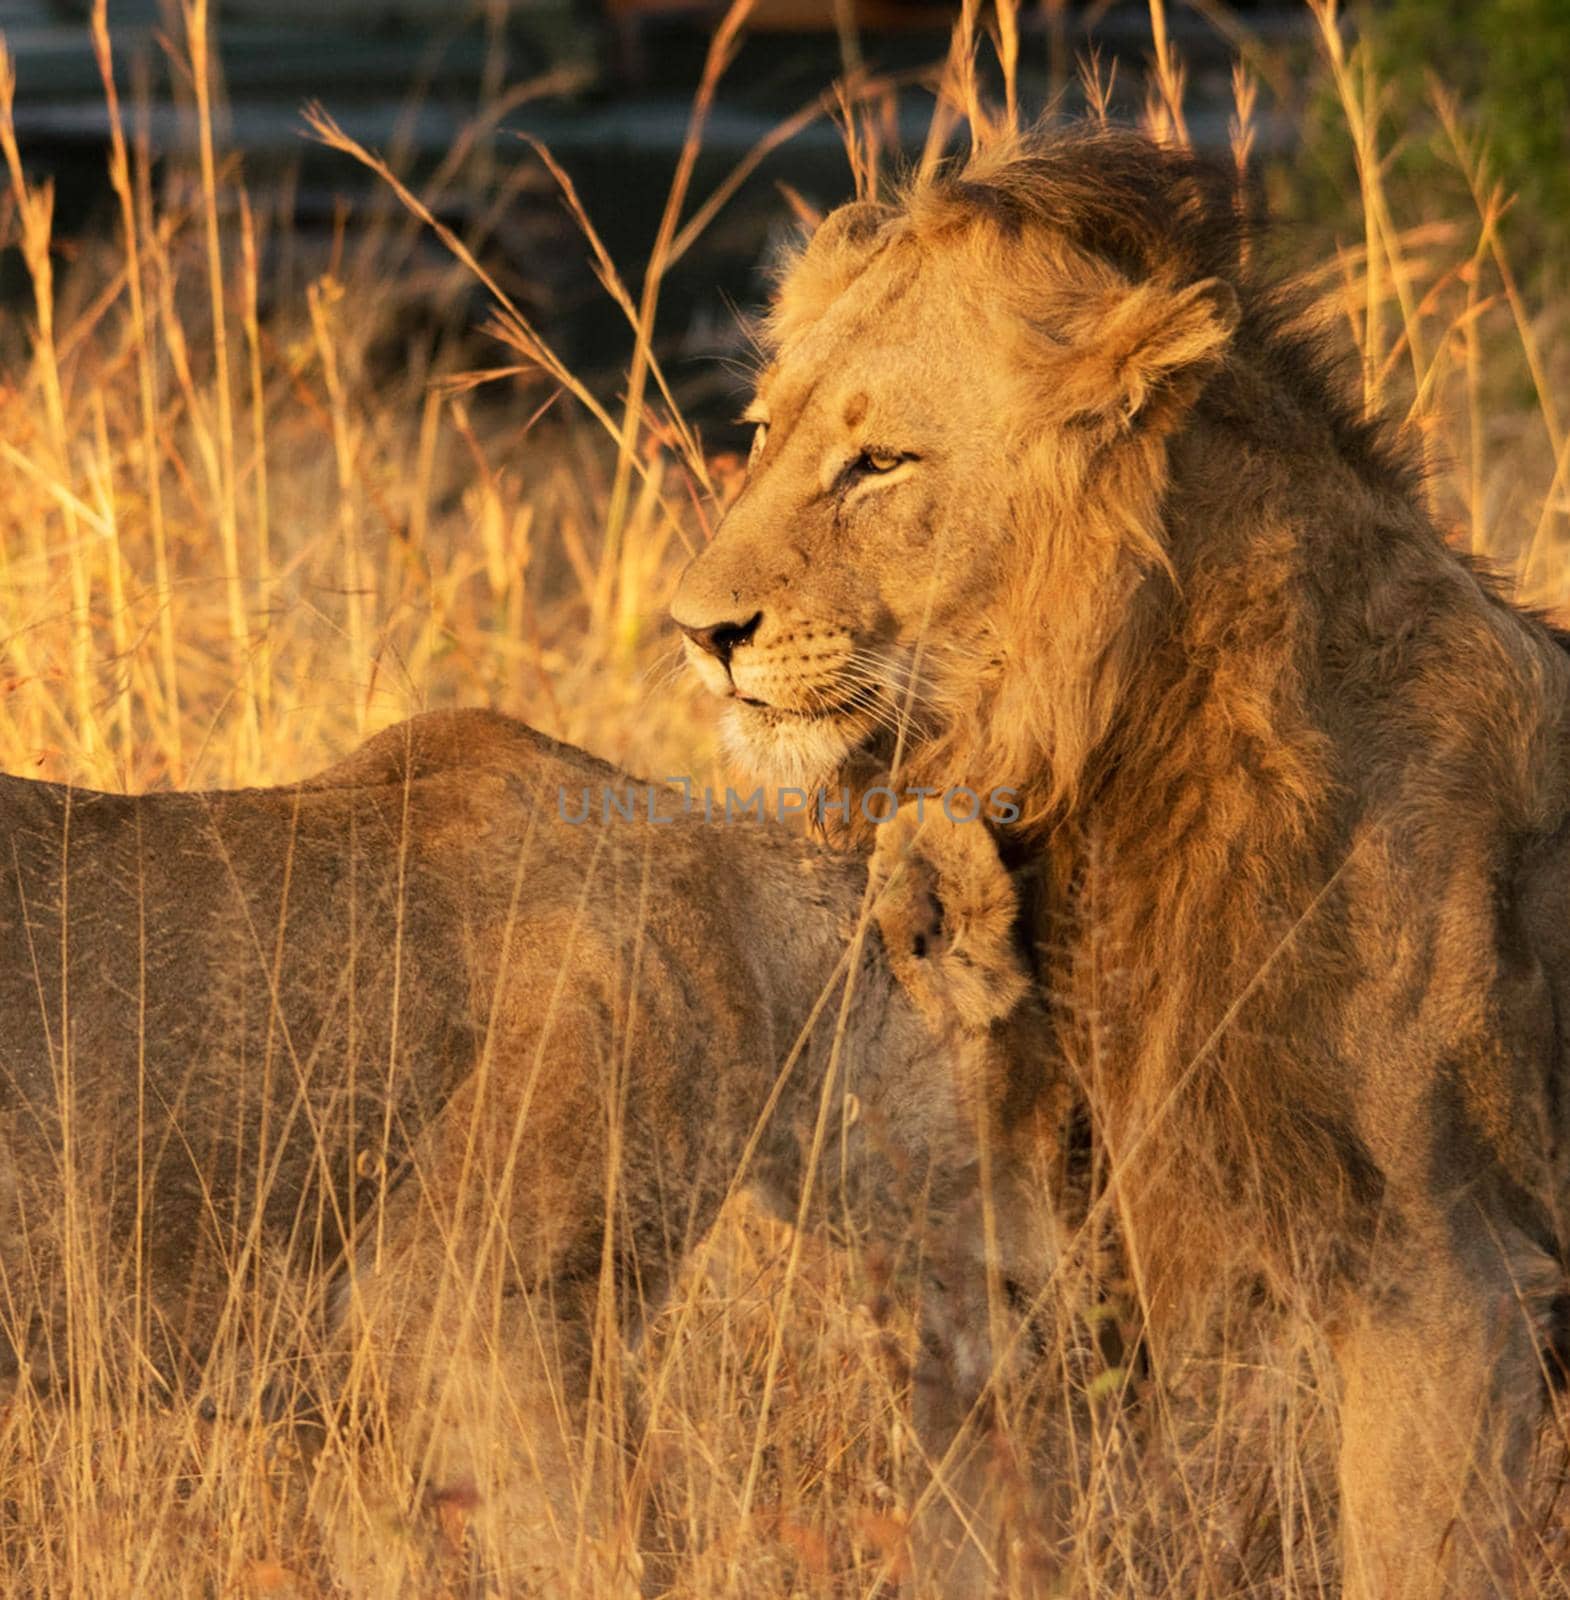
(867, 531)
(918, 518)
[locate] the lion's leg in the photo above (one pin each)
(465, 1399)
(474, 1338)
(986, 1413)
(946, 908)
(1441, 1399)
(955, 1534)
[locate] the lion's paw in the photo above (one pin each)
(945, 907)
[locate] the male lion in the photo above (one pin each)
(1048, 492)
(401, 1058)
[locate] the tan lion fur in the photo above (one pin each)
(400, 1063)
(1300, 775)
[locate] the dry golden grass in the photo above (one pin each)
(230, 546)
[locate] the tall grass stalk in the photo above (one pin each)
(234, 536)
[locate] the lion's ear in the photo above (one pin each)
(848, 230)
(1147, 343)
(840, 248)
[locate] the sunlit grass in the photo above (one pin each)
(231, 545)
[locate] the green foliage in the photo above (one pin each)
(1507, 62)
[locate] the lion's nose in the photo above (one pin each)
(720, 639)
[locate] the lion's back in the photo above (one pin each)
(244, 1011)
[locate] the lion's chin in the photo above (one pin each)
(793, 750)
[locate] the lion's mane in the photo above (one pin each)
(1207, 748)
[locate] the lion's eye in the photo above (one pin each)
(759, 438)
(875, 463)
